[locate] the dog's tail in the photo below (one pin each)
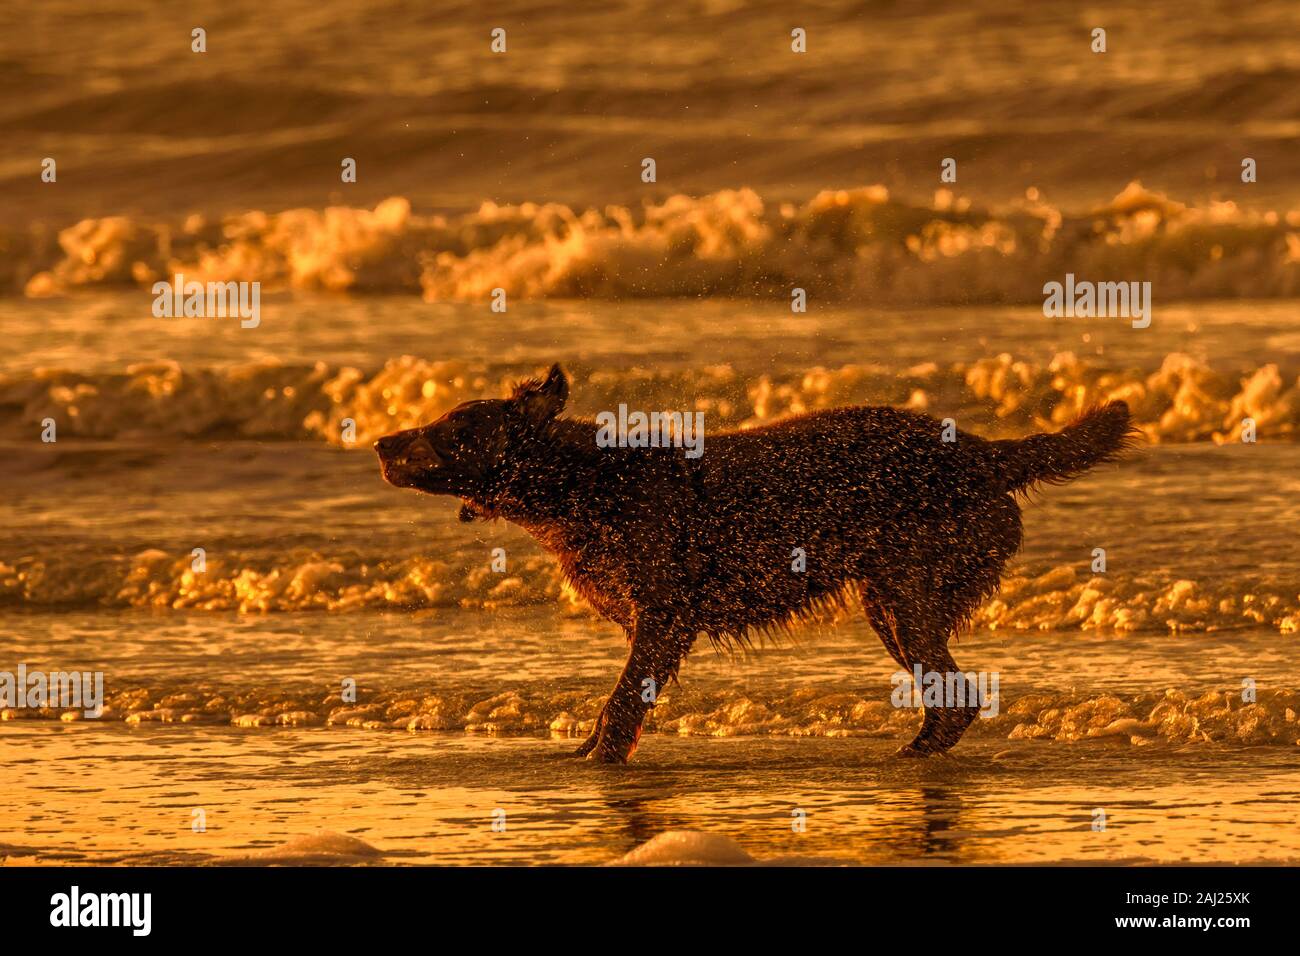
(1101, 434)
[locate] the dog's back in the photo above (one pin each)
(799, 513)
(773, 522)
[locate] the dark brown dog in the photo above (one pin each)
(881, 506)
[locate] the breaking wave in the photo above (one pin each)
(1183, 400)
(855, 245)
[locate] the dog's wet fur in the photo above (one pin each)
(916, 528)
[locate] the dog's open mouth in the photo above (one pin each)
(406, 473)
(412, 464)
(418, 462)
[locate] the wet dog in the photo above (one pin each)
(770, 525)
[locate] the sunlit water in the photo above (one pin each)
(82, 794)
(1162, 692)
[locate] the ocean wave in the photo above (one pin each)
(1183, 400)
(1062, 598)
(856, 245)
(1170, 716)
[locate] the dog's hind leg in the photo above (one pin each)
(919, 635)
(969, 575)
(943, 726)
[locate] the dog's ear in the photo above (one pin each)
(542, 401)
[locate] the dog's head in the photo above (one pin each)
(462, 452)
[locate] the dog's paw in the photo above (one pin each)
(613, 744)
(607, 755)
(911, 750)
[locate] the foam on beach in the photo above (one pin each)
(687, 848)
(1059, 598)
(1169, 716)
(322, 847)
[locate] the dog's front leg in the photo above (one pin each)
(658, 646)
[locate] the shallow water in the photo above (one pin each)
(427, 799)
